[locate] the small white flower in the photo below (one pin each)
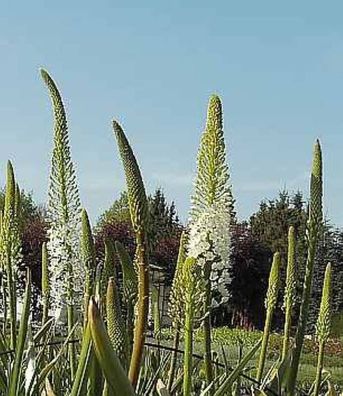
(209, 240)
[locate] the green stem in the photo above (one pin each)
(87, 296)
(45, 284)
(265, 339)
(207, 327)
(287, 331)
(319, 369)
(142, 311)
(173, 359)
(304, 309)
(187, 379)
(130, 324)
(71, 321)
(12, 302)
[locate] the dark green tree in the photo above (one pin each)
(164, 230)
(118, 212)
(251, 262)
(269, 225)
(330, 250)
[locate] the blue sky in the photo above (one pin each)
(278, 67)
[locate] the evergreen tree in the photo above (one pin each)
(330, 249)
(270, 225)
(118, 212)
(251, 262)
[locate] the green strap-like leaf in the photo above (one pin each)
(83, 365)
(15, 380)
(228, 382)
(108, 360)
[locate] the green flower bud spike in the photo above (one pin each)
(290, 291)
(313, 227)
(115, 323)
(88, 257)
(139, 217)
(270, 303)
(323, 327)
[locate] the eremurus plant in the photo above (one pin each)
(88, 289)
(139, 217)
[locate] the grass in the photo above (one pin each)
(230, 339)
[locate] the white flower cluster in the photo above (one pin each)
(209, 241)
(65, 267)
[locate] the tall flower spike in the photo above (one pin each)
(210, 219)
(10, 251)
(324, 318)
(313, 227)
(63, 211)
(212, 211)
(323, 326)
(64, 216)
(139, 217)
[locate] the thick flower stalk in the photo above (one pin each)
(139, 217)
(270, 303)
(176, 307)
(210, 219)
(10, 253)
(45, 284)
(192, 293)
(290, 291)
(130, 288)
(64, 216)
(323, 326)
(88, 259)
(313, 228)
